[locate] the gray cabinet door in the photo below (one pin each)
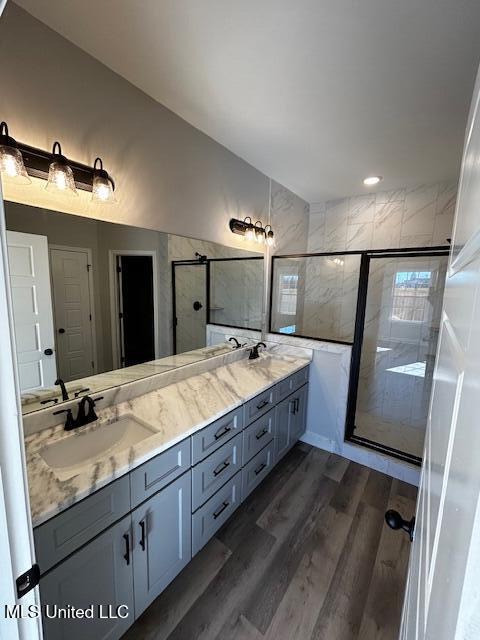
(98, 574)
(162, 534)
(284, 411)
(299, 414)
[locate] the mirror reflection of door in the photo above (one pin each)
(190, 291)
(32, 309)
(136, 304)
(73, 313)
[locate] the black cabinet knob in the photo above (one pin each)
(61, 330)
(395, 521)
(48, 352)
(197, 305)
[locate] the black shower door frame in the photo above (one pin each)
(358, 341)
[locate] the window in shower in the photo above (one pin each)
(394, 352)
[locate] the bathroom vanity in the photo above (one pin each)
(123, 543)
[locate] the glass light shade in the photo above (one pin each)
(250, 233)
(11, 164)
(102, 190)
(270, 239)
(259, 235)
(60, 178)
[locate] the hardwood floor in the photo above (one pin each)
(307, 557)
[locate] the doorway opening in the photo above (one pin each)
(134, 308)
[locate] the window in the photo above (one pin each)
(410, 295)
(287, 294)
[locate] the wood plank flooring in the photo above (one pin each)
(306, 557)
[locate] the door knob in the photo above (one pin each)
(48, 352)
(395, 521)
(61, 330)
(197, 305)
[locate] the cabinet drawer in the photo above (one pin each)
(257, 435)
(256, 470)
(216, 434)
(208, 519)
(160, 471)
(214, 471)
(259, 405)
(65, 533)
(291, 384)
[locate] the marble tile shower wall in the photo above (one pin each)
(420, 216)
(414, 217)
(289, 216)
(237, 293)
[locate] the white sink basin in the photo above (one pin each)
(68, 457)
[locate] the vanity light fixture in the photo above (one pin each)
(103, 186)
(372, 180)
(21, 162)
(11, 159)
(252, 231)
(60, 174)
(269, 235)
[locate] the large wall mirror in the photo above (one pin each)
(97, 304)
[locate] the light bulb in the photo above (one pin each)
(250, 233)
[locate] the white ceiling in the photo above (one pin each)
(315, 93)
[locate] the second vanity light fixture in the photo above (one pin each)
(254, 232)
(19, 161)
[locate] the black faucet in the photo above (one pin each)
(237, 344)
(61, 383)
(83, 417)
(254, 351)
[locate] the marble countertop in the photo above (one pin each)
(173, 413)
(31, 401)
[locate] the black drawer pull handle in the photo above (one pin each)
(291, 407)
(297, 404)
(261, 433)
(222, 432)
(126, 537)
(221, 510)
(262, 404)
(221, 467)
(142, 539)
(260, 468)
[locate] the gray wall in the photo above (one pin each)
(169, 175)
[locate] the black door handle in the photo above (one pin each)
(62, 330)
(48, 352)
(126, 537)
(197, 305)
(143, 538)
(395, 521)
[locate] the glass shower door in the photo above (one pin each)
(400, 333)
(190, 306)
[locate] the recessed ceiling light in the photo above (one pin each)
(372, 180)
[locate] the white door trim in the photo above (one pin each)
(114, 302)
(19, 554)
(93, 324)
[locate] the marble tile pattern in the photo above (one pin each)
(174, 412)
(289, 217)
(412, 217)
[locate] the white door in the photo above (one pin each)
(443, 590)
(73, 313)
(32, 309)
